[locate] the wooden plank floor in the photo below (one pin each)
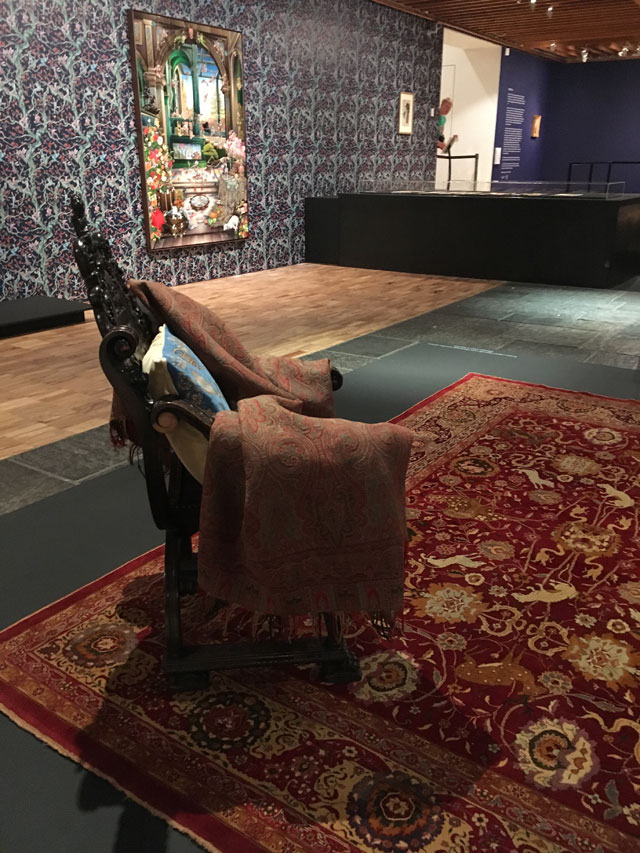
(53, 387)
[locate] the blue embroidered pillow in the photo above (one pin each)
(174, 369)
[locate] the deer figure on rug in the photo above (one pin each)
(501, 673)
(560, 592)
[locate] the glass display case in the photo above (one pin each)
(529, 189)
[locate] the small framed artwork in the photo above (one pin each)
(535, 127)
(405, 114)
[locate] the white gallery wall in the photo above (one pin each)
(471, 78)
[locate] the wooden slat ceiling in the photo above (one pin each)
(557, 29)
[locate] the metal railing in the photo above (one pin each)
(591, 164)
(449, 157)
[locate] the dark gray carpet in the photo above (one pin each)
(49, 549)
(390, 385)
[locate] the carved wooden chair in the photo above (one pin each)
(127, 328)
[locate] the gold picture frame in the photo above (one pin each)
(405, 113)
(535, 127)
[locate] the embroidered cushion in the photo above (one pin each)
(173, 369)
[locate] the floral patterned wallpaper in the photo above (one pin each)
(322, 82)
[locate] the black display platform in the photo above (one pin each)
(585, 241)
(20, 316)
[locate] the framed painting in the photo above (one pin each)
(405, 113)
(535, 127)
(189, 101)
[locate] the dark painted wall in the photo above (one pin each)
(528, 76)
(322, 82)
(594, 112)
(590, 111)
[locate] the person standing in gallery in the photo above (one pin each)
(445, 109)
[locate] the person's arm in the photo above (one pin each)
(447, 147)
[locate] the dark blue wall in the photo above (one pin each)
(594, 114)
(528, 76)
(590, 111)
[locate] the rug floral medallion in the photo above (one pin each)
(504, 716)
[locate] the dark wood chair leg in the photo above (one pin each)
(176, 547)
(188, 569)
(347, 667)
(334, 625)
(184, 495)
(173, 626)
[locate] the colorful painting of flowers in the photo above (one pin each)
(189, 102)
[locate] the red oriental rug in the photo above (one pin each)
(505, 718)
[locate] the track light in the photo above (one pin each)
(549, 11)
(584, 53)
(624, 51)
(552, 47)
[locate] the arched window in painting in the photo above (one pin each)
(196, 98)
(213, 113)
(182, 106)
(182, 92)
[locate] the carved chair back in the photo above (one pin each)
(127, 328)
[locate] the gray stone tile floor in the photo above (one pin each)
(20, 486)
(45, 471)
(344, 361)
(585, 325)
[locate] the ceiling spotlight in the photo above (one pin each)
(549, 11)
(533, 3)
(552, 47)
(584, 53)
(624, 51)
